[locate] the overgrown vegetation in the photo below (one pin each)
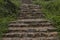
(51, 9)
(8, 12)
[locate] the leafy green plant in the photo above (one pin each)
(8, 12)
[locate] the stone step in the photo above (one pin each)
(19, 24)
(31, 21)
(31, 13)
(33, 16)
(12, 29)
(35, 24)
(50, 34)
(22, 29)
(26, 23)
(33, 35)
(32, 30)
(29, 25)
(41, 38)
(30, 10)
(26, 28)
(31, 6)
(26, 31)
(19, 33)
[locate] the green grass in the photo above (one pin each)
(8, 12)
(51, 9)
(4, 24)
(16, 2)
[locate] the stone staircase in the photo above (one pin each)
(30, 25)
